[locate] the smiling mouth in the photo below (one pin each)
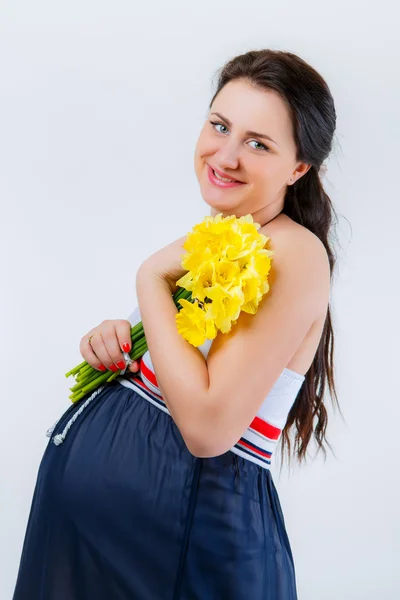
(221, 181)
(224, 177)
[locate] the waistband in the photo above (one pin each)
(256, 444)
(252, 446)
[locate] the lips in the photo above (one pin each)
(225, 175)
(215, 181)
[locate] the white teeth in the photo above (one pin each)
(223, 178)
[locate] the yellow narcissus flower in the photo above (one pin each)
(193, 323)
(227, 268)
(225, 306)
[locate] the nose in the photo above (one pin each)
(227, 156)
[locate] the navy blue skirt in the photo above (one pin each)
(123, 511)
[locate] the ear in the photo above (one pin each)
(301, 170)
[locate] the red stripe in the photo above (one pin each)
(141, 384)
(150, 376)
(256, 450)
(265, 428)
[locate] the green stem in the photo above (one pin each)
(88, 378)
(85, 379)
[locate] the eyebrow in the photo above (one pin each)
(252, 133)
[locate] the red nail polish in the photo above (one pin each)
(126, 347)
(102, 368)
(113, 368)
(121, 364)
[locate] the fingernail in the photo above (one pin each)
(121, 364)
(102, 368)
(113, 368)
(126, 347)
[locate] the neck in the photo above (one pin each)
(263, 216)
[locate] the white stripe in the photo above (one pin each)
(259, 440)
(252, 451)
(151, 386)
(250, 457)
(138, 389)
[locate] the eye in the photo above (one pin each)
(216, 123)
(261, 146)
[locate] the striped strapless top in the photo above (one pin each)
(259, 440)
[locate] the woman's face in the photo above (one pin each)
(263, 167)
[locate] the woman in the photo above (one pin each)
(160, 487)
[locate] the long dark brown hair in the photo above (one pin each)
(313, 115)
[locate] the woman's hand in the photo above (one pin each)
(166, 263)
(105, 351)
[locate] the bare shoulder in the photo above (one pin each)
(286, 232)
(297, 249)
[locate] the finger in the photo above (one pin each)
(99, 348)
(114, 338)
(90, 357)
(134, 367)
(123, 333)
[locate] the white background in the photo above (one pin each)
(101, 105)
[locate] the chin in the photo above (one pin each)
(225, 201)
(221, 199)
(220, 204)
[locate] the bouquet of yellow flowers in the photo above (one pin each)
(227, 272)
